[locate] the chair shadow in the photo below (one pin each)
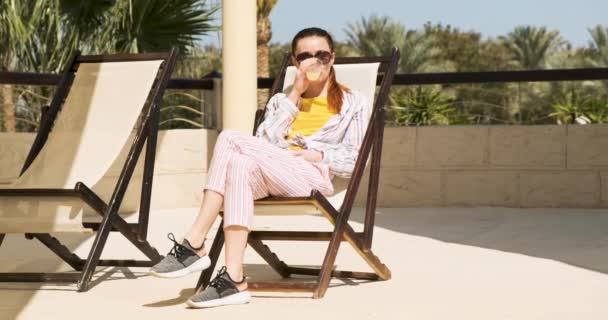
(40, 259)
(184, 294)
(109, 275)
(578, 237)
(100, 275)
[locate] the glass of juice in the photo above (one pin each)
(314, 71)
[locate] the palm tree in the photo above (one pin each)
(51, 39)
(157, 25)
(530, 47)
(13, 35)
(59, 27)
(54, 29)
(598, 53)
(12, 32)
(418, 52)
(598, 46)
(376, 36)
(264, 31)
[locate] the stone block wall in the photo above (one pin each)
(510, 166)
(506, 166)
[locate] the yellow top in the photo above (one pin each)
(314, 114)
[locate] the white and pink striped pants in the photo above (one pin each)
(245, 168)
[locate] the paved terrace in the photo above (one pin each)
(448, 263)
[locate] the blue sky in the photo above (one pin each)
(490, 17)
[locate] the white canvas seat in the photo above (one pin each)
(95, 123)
(103, 105)
(359, 77)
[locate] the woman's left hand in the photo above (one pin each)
(308, 155)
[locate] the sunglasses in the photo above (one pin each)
(323, 56)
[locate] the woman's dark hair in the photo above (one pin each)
(335, 91)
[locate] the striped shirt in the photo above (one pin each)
(339, 139)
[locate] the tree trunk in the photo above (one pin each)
(263, 60)
(264, 31)
(263, 56)
(8, 108)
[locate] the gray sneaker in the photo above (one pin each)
(180, 261)
(220, 292)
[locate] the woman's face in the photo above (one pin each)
(314, 48)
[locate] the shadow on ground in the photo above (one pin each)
(578, 237)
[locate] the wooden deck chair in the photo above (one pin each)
(360, 74)
(102, 104)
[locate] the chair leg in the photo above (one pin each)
(2, 238)
(214, 255)
(328, 262)
(112, 220)
(366, 253)
(95, 253)
(270, 257)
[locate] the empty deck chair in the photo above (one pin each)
(361, 74)
(102, 104)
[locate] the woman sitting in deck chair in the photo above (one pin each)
(309, 135)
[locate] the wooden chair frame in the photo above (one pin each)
(136, 233)
(339, 217)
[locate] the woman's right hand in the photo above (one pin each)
(300, 83)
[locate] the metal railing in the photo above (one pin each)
(206, 83)
(210, 81)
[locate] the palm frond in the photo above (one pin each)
(157, 25)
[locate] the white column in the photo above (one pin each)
(239, 66)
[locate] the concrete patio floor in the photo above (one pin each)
(448, 263)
